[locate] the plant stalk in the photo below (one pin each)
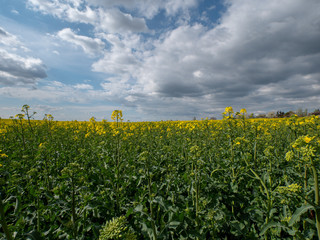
(316, 193)
(73, 209)
(4, 223)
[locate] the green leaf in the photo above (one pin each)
(296, 216)
(34, 235)
(129, 212)
(268, 226)
(17, 206)
(174, 224)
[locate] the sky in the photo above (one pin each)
(158, 60)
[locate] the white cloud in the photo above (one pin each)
(124, 57)
(148, 8)
(173, 6)
(83, 86)
(257, 52)
(15, 69)
(115, 21)
(91, 46)
(254, 45)
(85, 16)
(68, 10)
(52, 92)
(48, 7)
(109, 20)
(15, 12)
(11, 41)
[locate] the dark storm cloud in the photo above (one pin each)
(16, 70)
(256, 50)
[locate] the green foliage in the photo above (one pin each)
(117, 228)
(232, 179)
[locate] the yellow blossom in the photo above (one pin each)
(116, 115)
(292, 188)
(243, 110)
(228, 110)
(289, 156)
(3, 155)
(307, 139)
(20, 116)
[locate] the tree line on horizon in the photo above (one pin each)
(280, 114)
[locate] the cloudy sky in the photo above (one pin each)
(158, 59)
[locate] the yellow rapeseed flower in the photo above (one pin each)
(228, 110)
(116, 115)
(3, 155)
(292, 188)
(307, 139)
(243, 110)
(289, 156)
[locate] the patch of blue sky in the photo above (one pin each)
(18, 11)
(72, 76)
(159, 22)
(208, 13)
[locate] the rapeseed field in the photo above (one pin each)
(235, 178)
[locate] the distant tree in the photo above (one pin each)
(251, 115)
(271, 115)
(316, 112)
(280, 114)
(261, 115)
(213, 118)
(299, 112)
(289, 114)
(194, 118)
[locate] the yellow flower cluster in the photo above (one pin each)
(117, 115)
(117, 228)
(292, 188)
(3, 155)
(243, 111)
(228, 110)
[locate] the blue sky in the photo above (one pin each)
(158, 60)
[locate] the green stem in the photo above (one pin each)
(38, 214)
(316, 193)
(22, 135)
(233, 173)
(255, 153)
(154, 231)
(197, 195)
(267, 192)
(4, 223)
(118, 207)
(73, 209)
(305, 190)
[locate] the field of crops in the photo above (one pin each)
(224, 179)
